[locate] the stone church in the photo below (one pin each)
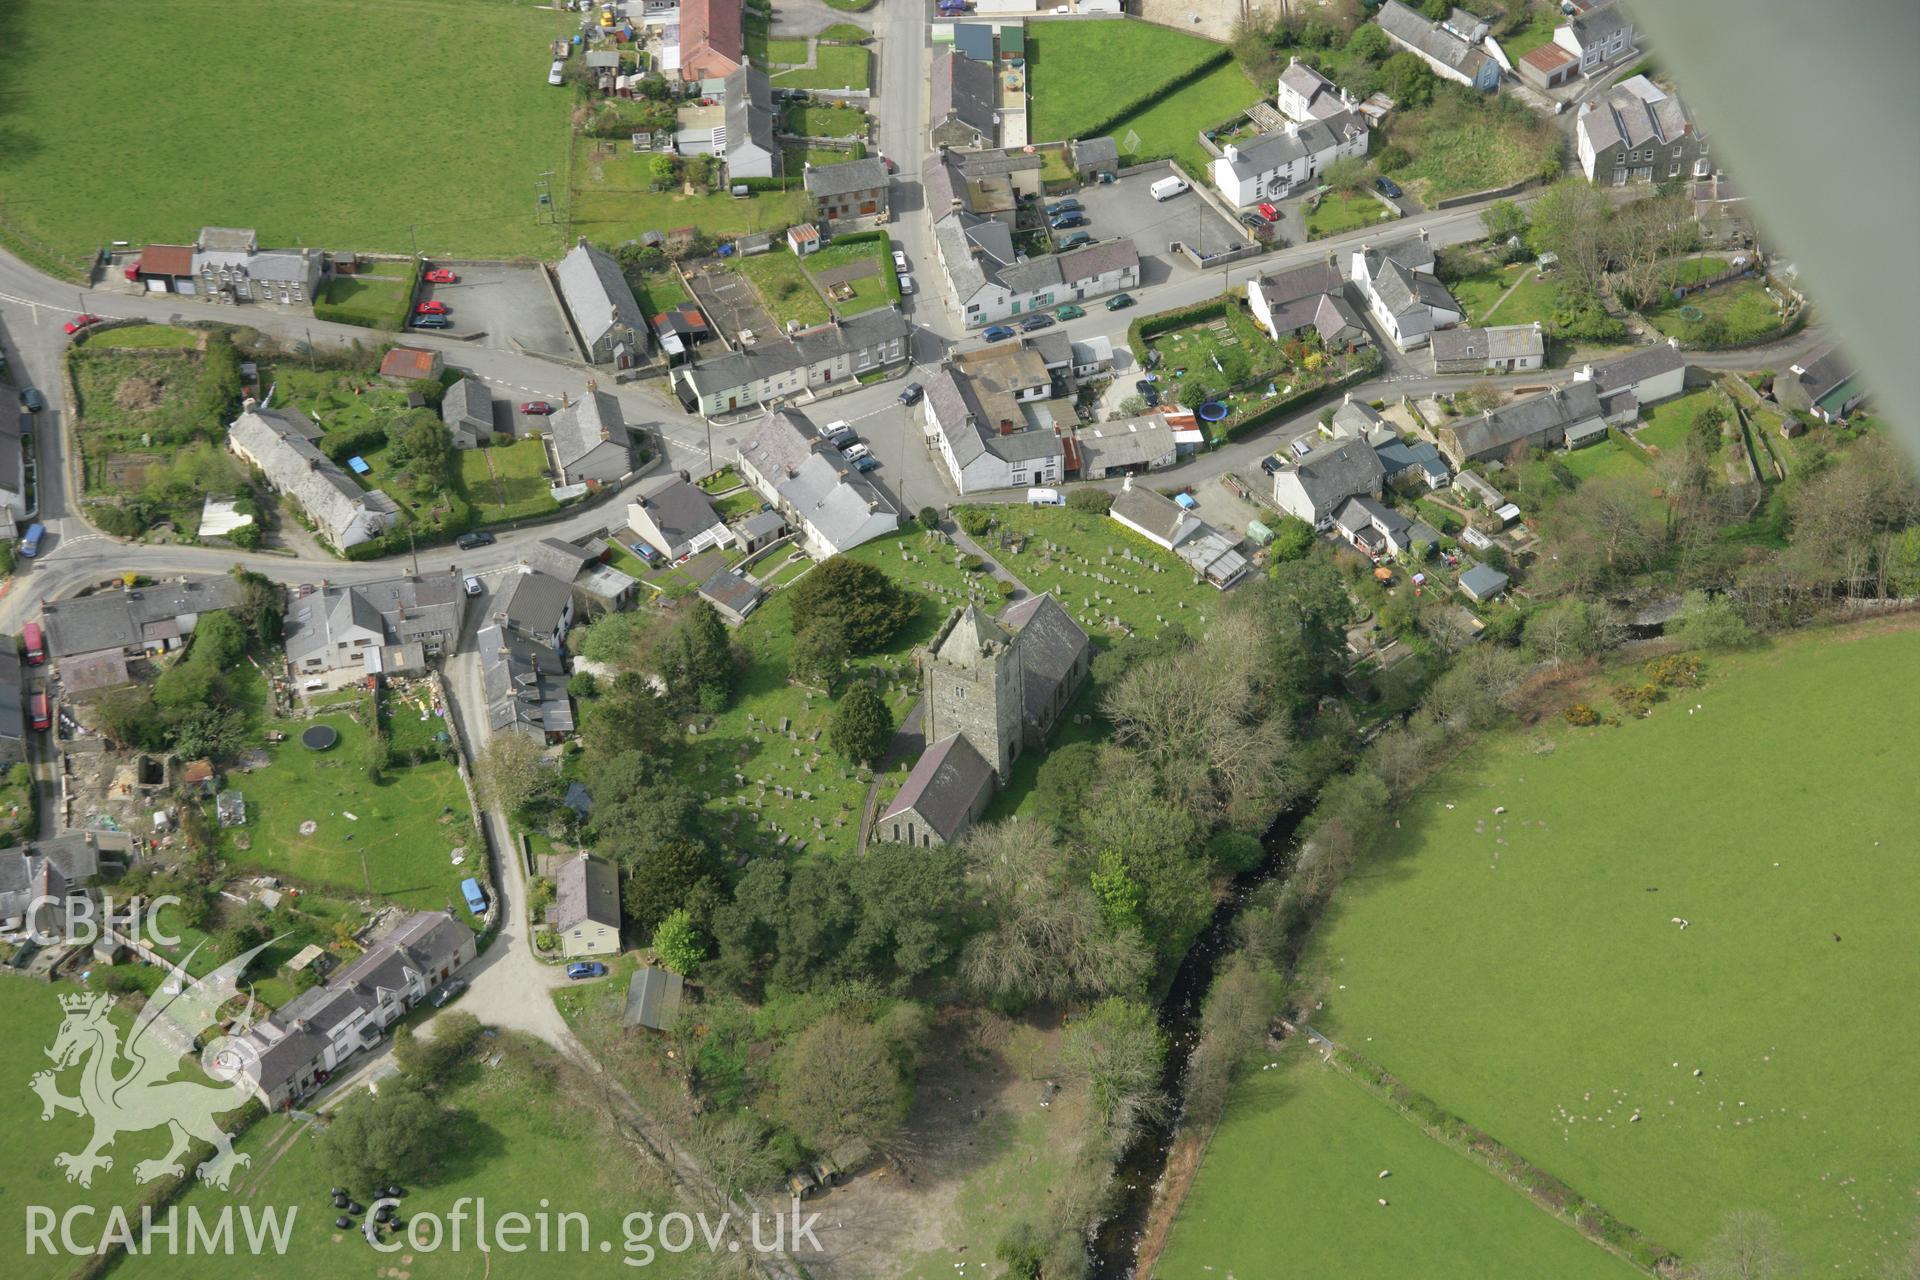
(994, 688)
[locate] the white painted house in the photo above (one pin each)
(1275, 164)
(1402, 294)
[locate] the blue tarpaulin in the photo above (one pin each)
(359, 465)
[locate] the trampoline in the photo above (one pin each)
(319, 737)
(1211, 411)
(1692, 314)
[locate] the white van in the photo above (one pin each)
(557, 74)
(1168, 188)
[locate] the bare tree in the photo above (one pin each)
(1750, 1246)
(511, 769)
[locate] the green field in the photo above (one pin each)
(397, 842)
(1608, 457)
(157, 337)
(835, 67)
(1669, 423)
(1340, 211)
(507, 481)
(378, 297)
(1777, 820)
(1072, 84)
(1733, 313)
(1170, 127)
(1297, 1159)
(820, 120)
(1507, 295)
(343, 95)
(1542, 21)
(612, 200)
(521, 1136)
(1463, 144)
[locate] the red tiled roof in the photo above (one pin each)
(1548, 57)
(167, 260)
(409, 363)
(711, 39)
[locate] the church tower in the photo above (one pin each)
(974, 689)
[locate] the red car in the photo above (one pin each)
(431, 309)
(441, 275)
(80, 322)
(891, 166)
(536, 408)
(1270, 213)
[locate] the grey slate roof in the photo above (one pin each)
(1430, 38)
(1403, 291)
(1542, 419)
(532, 603)
(963, 90)
(946, 783)
(558, 558)
(1050, 644)
(1095, 153)
(50, 867)
(1129, 442)
(817, 484)
(1354, 419)
(802, 350)
(596, 293)
(1278, 148)
(1362, 512)
(1598, 24)
(1400, 455)
(749, 110)
(1822, 373)
(1160, 515)
(1483, 581)
(1648, 362)
(126, 619)
(13, 721)
(846, 177)
(1501, 342)
(653, 998)
(967, 426)
(1339, 470)
(680, 510)
(524, 683)
(1635, 112)
(586, 890)
(732, 592)
(404, 610)
(761, 524)
(1294, 295)
(1075, 267)
(467, 409)
(281, 446)
(586, 424)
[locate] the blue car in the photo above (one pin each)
(642, 550)
(1040, 321)
(1067, 221)
(865, 462)
(586, 969)
(998, 332)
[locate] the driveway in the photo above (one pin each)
(1127, 210)
(506, 306)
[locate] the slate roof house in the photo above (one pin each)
(1304, 94)
(962, 101)
(823, 358)
(467, 409)
(1316, 486)
(1272, 165)
(610, 324)
(585, 914)
(1646, 377)
(1483, 582)
(676, 517)
(1638, 132)
(1402, 294)
(13, 704)
(751, 150)
(1126, 447)
(1450, 48)
(1212, 555)
(345, 627)
(948, 790)
(849, 189)
(591, 444)
(1824, 385)
(991, 285)
(1601, 34)
(1568, 416)
(1509, 348)
(833, 506)
(524, 683)
(732, 594)
(536, 605)
(56, 870)
(973, 416)
(108, 627)
(281, 446)
(1092, 155)
(1357, 420)
(13, 472)
(1309, 297)
(230, 266)
(1413, 464)
(1380, 531)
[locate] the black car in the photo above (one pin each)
(1144, 386)
(1387, 187)
(1269, 464)
(1252, 221)
(478, 538)
(912, 394)
(1063, 206)
(1067, 222)
(31, 400)
(1152, 397)
(1040, 321)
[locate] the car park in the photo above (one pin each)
(586, 969)
(1119, 301)
(474, 586)
(536, 408)
(432, 322)
(431, 307)
(478, 538)
(82, 321)
(441, 275)
(1387, 187)
(1033, 322)
(998, 332)
(1070, 312)
(912, 394)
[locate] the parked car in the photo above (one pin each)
(1152, 396)
(1268, 212)
(431, 307)
(1067, 221)
(448, 992)
(866, 463)
(478, 538)
(1106, 177)
(912, 394)
(474, 586)
(1269, 464)
(1387, 187)
(441, 275)
(1074, 240)
(432, 322)
(1040, 321)
(891, 166)
(1070, 312)
(586, 969)
(1119, 302)
(998, 332)
(840, 433)
(642, 550)
(856, 451)
(536, 408)
(31, 400)
(1069, 205)
(557, 73)
(1301, 447)
(899, 260)
(906, 286)
(1145, 386)
(82, 321)
(1252, 221)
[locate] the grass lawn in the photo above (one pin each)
(164, 337)
(324, 174)
(796, 159)
(1542, 20)
(727, 477)
(879, 288)
(819, 121)
(521, 1135)
(846, 31)
(612, 202)
(1072, 65)
(1298, 1157)
(507, 481)
(1226, 351)
(1775, 820)
(784, 287)
(1607, 458)
(375, 301)
(1460, 144)
(1733, 313)
(397, 825)
(1688, 270)
(836, 66)
(1345, 211)
(1669, 422)
(1170, 127)
(1486, 296)
(658, 290)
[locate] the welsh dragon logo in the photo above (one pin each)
(132, 1088)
